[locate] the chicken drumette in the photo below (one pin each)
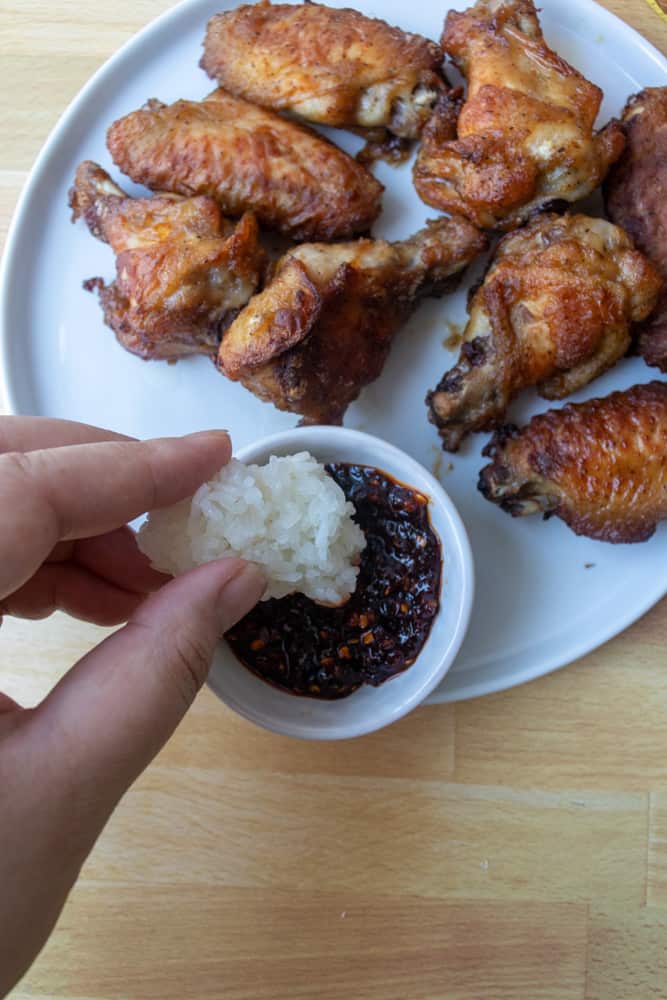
(335, 67)
(554, 311)
(524, 135)
(322, 328)
(248, 159)
(636, 198)
(182, 271)
(601, 466)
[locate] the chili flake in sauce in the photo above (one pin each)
(323, 652)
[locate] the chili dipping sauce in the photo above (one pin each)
(325, 652)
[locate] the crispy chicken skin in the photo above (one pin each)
(334, 67)
(601, 466)
(248, 159)
(525, 132)
(182, 270)
(554, 311)
(127, 223)
(322, 329)
(636, 198)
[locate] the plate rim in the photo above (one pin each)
(457, 687)
(470, 688)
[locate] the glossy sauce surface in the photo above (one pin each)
(324, 652)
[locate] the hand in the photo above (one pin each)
(66, 493)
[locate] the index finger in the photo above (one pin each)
(32, 433)
(83, 490)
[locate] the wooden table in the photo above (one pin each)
(507, 848)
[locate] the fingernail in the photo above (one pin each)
(240, 594)
(218, 433)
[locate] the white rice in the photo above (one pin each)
(289, 517)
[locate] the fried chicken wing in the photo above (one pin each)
(182, 270)
(636, 198)
(525, 132)
(554, 311)
(248, 159)
(335, 67)
(601, 466)
(322, 329)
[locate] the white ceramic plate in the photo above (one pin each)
(544, 597)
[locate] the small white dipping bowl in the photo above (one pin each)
(368, 708)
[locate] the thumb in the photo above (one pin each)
(65, 765)
(109, 716)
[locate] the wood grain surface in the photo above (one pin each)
(509, 848)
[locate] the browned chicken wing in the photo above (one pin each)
(335, 67)
(601, 466)
(322, 329)
(636, 198)
(182, 271)
(525, 132)
(554, 311)
(248, 159)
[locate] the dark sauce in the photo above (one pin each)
(323, 652)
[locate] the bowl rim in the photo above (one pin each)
(308, 438)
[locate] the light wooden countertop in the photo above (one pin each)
(509, 848)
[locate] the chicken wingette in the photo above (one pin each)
(601, 466)
(524, 136)
(554, 311)
(248, 159)
(333, 67)
(636, 198)
(182, 270)
(322, 328)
